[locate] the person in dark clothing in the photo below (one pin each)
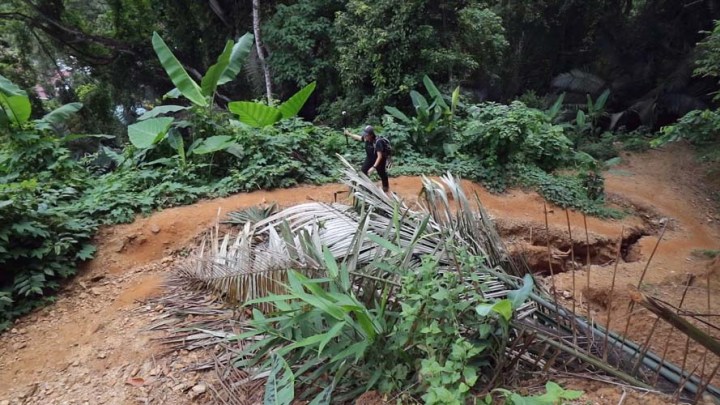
(376, 154)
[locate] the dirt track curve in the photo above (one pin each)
(89, 347)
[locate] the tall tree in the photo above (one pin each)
(259, 47)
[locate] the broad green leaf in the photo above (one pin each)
(145, 134)
(556, 392)
(240, 51)
(280, 386)
(180, 78)
(369, 328)
(5, 203)
(555, 109)
(451, 148)
(58, 115)
(175, 140)
(174, 93)
(580, 118)
(14, 101)
(434, 92)
(294, 104)
(17, 108)
(209, 82)
(601, 100)
(418, 101)
(330, 263)
(213, 144)
(74, 137)
(455, 99)
(9, 88)
(397, 114)
(502, 307)
(331, 334)
(308, 341)
(4, 120)
(356, 349)
(519, 296)
(160, 110)
(256, 115)
(613, 162)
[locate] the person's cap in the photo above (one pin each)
(369, 130)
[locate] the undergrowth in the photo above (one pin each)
(52, 201)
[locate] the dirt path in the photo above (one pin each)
(89, 347)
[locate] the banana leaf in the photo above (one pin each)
(209, 82)
(213, 144)
(294, 104)
(240, 51)
(179, 76)
(256, 115)
(58, 116)
(160, 110)
(14, 101)
(145, 134)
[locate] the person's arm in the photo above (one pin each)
(379, 156)
(353, 136)
(378, 159)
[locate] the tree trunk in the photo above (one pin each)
(258, 45)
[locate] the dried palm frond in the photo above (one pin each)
(380, 239)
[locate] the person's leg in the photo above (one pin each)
(382, 172)
(367, 164)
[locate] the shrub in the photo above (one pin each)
(503, 134)
(700, 127)
(42, 238)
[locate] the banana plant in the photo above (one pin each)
(15, 112)
(152, 129)
(259, 115)
(223, 71)
(432, 120)
(148, 133)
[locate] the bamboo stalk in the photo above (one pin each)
(572, 259)
(587, 263)
(688, 282)
(677, 321)
(704, 385)
(547, 239)
(631, 305)
(612, 289)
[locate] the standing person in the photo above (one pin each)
(376, 154)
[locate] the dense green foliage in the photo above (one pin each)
(437, 79)
(390, 345)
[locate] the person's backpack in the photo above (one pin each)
(387, 145)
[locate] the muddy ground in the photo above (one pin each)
(90, 347)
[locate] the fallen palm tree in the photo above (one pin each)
(374, 295)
